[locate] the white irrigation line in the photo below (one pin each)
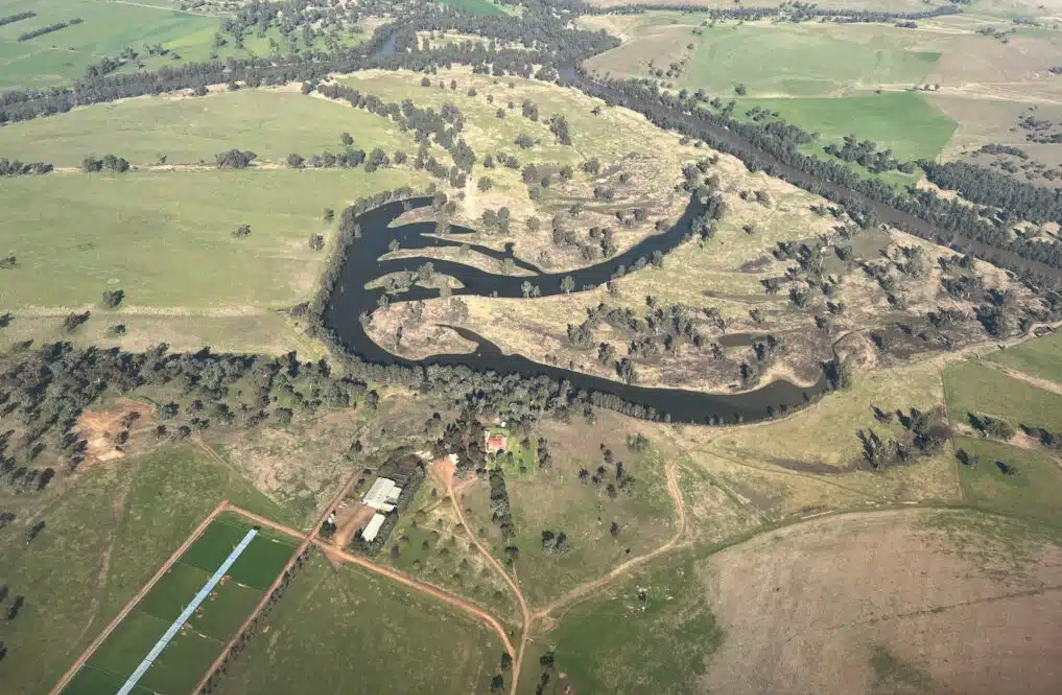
(186, 614)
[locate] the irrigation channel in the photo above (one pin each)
(363, 265)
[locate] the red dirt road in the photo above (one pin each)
(87, 654)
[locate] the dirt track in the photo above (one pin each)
(525, 612)
(581, 591)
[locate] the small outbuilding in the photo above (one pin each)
(372, 529)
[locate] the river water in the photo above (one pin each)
(363, 265)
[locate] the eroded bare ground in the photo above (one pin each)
(909, 601)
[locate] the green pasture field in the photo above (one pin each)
(349, 631)
(92, 681)
(166, 239)
(61, 57)
(219, 616)
(257, 567)
(610, 645)
(971, 388)
(901, 121)
(199, 642)
(802, 60)
(105, 537)
(190, 130)
(1041, 357)
(1035, 492)
(480, 7)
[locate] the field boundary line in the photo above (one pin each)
(132, 603)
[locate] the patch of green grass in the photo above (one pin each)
(61, 57)
(70, 593)
(1041, 357)
(166, 237)
(181, 664)
(610, 644)
(126, 647)
(1034, 492)
(272, 124)
(92, 681)
(801, 60)
(173, 591)
(901, 121)
(386, 636)
(480, 7)
(257, 566)
(971, 388)
(222, 613)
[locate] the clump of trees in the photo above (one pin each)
(17, 168)
(41, 31)
(110, 162)
(235, 159)
(925, 433)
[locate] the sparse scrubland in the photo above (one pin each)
(850, 204)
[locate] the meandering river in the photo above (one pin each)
(363, 265)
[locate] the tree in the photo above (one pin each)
(329, 215)
(244, 230)
(296, 161)
(526, 288)
(497, 684)
(316, 242)
(567, 284)
(74, 320)
(524, 141)
(740, 90)
(112, 298)
(346, 139)
(485, 184)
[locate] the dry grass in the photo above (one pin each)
(418, 339)
(815, 607)
(612, 137)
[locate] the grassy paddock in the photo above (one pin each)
(1041, 357)
(971, 388)
(165, 237)
(61, 57)
(610, 644)
(271, 123)
(105, 536)
(901, 121)
(1035, 492)
(344, 630)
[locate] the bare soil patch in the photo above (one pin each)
(814, 607)
(111, 429)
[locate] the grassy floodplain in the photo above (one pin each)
(192, 130)
(166, 237)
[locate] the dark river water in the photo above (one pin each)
(363, 265)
